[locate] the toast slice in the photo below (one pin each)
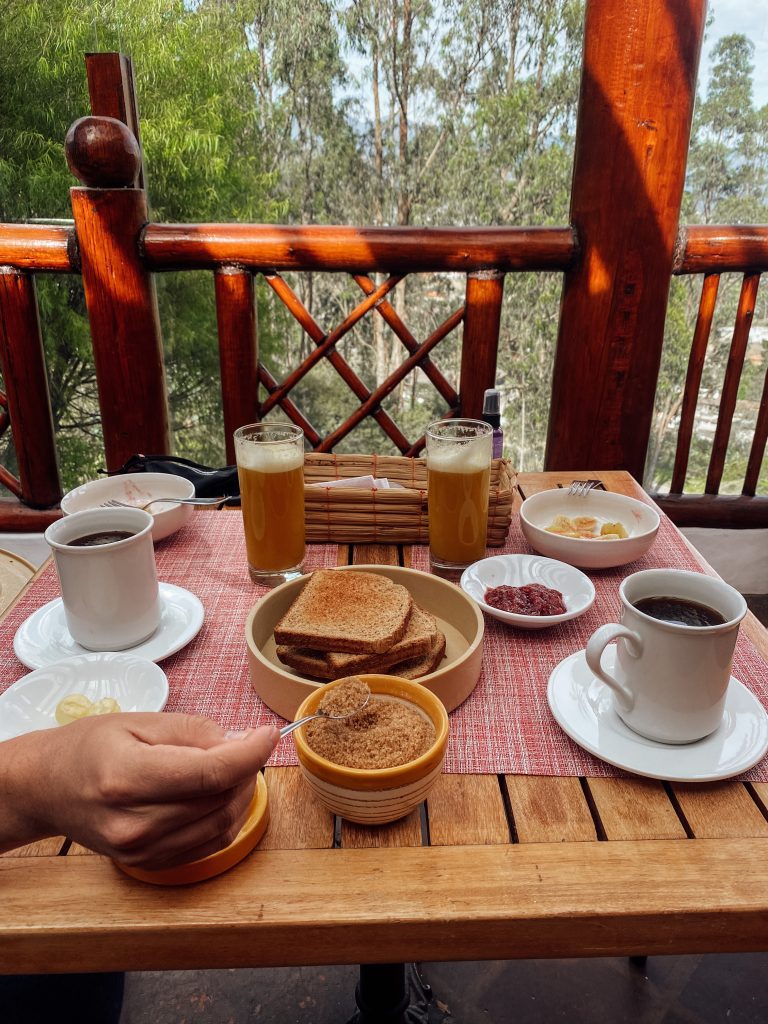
(415, 668)
(340, 610)
(418, 640)
(307, 662)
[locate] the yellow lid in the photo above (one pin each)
(215, 864)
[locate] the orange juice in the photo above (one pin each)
(271, 478)
(458, 515)
(458, 479)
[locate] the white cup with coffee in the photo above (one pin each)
(674, 652)
(105, 560)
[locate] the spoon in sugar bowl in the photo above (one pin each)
(342, 702)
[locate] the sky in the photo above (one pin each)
(749, 17)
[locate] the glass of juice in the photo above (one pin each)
(270, 466)
(458, 480)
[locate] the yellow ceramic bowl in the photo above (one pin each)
(373, 796)
(216, 863)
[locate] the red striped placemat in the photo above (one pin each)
(504, 726)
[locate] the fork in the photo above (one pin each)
(582, 487)
(114, 503)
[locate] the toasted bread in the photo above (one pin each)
(339, 610)
(418, 640)
(415, 668)
(308, 662)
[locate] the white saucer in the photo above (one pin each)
(43, 638)
(583, 706)
(135, 683)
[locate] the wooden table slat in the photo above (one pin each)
(405, 832)
(549, 810)
(720, 810)
(296, 820)
(635, 809)
(42, 848)
(467, 810)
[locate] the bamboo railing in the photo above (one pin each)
(616, 256)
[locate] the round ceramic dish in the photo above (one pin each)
(457, 615)
(137, 489)
(641, 522)
(207, 867)
(520, 570)
(136, 683)
(375, 796)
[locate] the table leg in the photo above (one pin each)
(391, 994)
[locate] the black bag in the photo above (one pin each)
(208, 482)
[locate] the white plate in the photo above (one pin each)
(519, 570)
(583, 706)
(135, 683)
(43, 638)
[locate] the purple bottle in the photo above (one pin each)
(492, 416)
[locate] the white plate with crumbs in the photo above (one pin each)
(30, 704)
(576, 589)
(282, 689)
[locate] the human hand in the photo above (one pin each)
(149, 790)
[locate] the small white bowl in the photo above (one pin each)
(137, 684)
(137, 489)
(641, 522)
(520, 570)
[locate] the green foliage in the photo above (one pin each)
(384, 112)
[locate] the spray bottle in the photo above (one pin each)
(492, 416)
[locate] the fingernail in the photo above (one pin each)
(237, 734)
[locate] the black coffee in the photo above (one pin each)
(91, 540)
(679, 610)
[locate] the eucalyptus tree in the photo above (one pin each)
(201, 140)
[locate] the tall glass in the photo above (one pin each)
(458, 482)
(270, 466)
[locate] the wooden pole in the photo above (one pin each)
(238, 351)
(119, 291)
(635, 109)
(22, 358)
(479, 350)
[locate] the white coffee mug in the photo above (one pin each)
(109, 591)
(670, 679)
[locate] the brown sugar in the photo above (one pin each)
(345, 698)
(388, 732)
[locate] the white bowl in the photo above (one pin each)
(137, 684)
(520, 570)
(137, 489)
(641, 522)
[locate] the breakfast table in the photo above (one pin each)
(537, 850)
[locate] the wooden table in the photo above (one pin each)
(498, 867)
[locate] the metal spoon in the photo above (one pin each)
(321, 714)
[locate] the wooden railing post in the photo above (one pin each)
(238, 351)
(119, 291)
(635, 109)
(26, 384)
(480, 343)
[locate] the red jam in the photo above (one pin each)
(532, 599)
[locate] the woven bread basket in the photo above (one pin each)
(352, 515)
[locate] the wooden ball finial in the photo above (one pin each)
(102, 152)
